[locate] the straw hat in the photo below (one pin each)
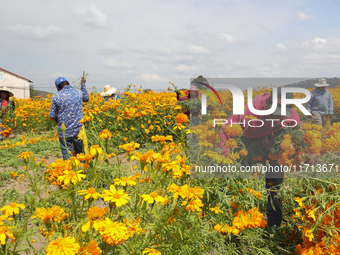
(108, 91)
(321, 83)
(6, 89)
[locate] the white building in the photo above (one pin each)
(17, 84)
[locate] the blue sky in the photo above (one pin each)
(152, 42)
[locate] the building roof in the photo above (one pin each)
(1, 69)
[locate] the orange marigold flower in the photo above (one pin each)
(14, 175)
(130, 147)
(243, 152)
(286, 144)
(113, 233)
(55, 213)
(105, 134)
(94, 215)
(181, 118)
(231, 143)
(151, 251)
(234, 130)
(91, 249)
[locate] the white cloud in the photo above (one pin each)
(281, 47)
(112, 62)
(186, 68)
(196, 49)
(316, 43)
(93, 17)
(152, 77)
(302, 16)
(230, 39)
(46, 32)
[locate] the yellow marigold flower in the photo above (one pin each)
(234, 130)
(85, 119)
(161, 139)
(179, 190)
(179, 126)
(231, 143)
(308, 233)
(181, 118)
(91, 194)
(25, 155)
(113, 233)
(151, 251)
(94, 215)
(105, 134)
(66, 245)
(5, 233)
(118, 197)
(131, 180)
(153, 197)
(299, 201)
(55, 213)
(71, 177)
(11, 209)
(147, 131)
(234, 155)
(130, 147)
(287, 137)
(216, 210)
(193, 204)
(82, 157)
(96, 150)
(286, 144)
(90, 249)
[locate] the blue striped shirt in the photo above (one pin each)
(320, 102)
(67, 108)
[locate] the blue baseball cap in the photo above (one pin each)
(59, 80)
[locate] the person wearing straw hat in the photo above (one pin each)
(5, 104)
(109, 92)
(321, 103)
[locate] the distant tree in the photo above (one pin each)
(33, 93)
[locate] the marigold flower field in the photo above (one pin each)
(132, 191)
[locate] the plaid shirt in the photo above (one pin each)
(67, 108)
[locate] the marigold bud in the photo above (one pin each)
(63, 127)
